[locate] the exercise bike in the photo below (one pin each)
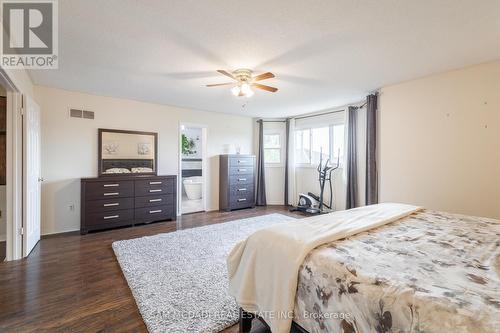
(313, 204)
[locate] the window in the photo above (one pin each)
(272, 148)
(303, 146)
(313, 143)
(338, 142)
(320, 139)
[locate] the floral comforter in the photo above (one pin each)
(429, 272)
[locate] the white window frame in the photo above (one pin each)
(330, 143)
(281, 135)
(305, 165)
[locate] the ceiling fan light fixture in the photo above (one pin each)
(246, 90)
(245, 82)
(249, 93)
(242, 90)
(236, 90)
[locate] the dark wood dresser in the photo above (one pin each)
(108, 202)
(236, 182)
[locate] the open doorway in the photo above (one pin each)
(192, 173)
(19, 171)
(3, 173)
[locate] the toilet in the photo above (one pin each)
(193, 187)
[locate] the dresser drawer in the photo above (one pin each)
(111, 218)
(241, 161)
(243, 197)
(241, 205)
(154, 200)
(241, 189)
(107, 205)
(242, 201)
(154, 187)
(247, 170)
(151, 214)
(111, 189)
(241, 180)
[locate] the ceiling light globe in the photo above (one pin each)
(249, 93)
(245, 88)
(236, 91)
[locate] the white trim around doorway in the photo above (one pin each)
(204, 157)
(14, 169)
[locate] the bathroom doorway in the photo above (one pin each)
(192, 168)
(3, 173)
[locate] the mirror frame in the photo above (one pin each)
(99, 152)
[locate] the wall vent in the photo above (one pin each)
(75, 113)
(88, 114)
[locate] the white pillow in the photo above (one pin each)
(117, 170)
(141, 170)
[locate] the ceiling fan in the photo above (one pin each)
(245, 82)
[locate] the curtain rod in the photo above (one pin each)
(329, 112)
(319, 114)
(362, 105)
(312, 115)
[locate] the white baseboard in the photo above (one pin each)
(58, 232)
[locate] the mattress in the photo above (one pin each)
(429, 272)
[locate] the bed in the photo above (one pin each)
(428, 272)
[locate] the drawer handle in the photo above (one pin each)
(155, 200)
(154, 191)
(111, 185)
(241, 200)
(111, 217)
(155, 183)
(242, 179)
(111, 193)
(242, 189)
(242, 161)
(112, 204)
(242, 170)
(155, 211)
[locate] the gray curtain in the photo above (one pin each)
(287, 144)
(260, 199)
(352, 160)
(371, 150)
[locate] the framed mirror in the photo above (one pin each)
(127, 152)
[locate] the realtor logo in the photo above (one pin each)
(29, 36)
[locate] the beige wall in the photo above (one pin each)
(440, 141)
(69, 145)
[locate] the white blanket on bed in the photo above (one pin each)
(263, 269)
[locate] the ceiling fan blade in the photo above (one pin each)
(264, 87)
(264, 76)
(221, 84)
(223, 72)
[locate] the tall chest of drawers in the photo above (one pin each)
(108, 202)
(237, 182)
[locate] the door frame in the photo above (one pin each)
(204, 130)
(14, 169)
(28, 209)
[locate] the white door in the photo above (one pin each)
(31, 175)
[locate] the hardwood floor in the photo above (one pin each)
(73, 283)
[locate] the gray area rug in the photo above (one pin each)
(179, 279)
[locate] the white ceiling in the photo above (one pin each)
(324, 53)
